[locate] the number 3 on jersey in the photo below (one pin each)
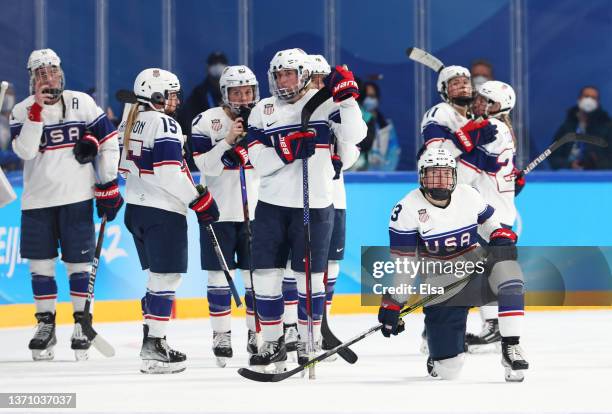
(396, 211)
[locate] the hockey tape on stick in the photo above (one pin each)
(425, 58)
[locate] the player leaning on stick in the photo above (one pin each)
(159, 189)
(219, 153)
(71, 155)
(277, 149)
(441, 221)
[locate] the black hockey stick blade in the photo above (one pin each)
(425, 58)
(276, 377)
(331, 340)
(97, 341)
(125, 96)
(318, 98)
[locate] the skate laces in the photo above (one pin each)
(252, 338)
(222, 340)
(515, 352)
(77, 333)
(291, 334)
(43, 330)
(268, 348)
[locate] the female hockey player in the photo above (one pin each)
(440, 221)
(275, 144)
(71, 154)
(220, 152)
(159, 189)
(343, 156)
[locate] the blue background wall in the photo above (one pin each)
(566, 45)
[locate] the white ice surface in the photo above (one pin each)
(570, 355)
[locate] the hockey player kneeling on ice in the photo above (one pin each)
(159, 189)
(277, 149)
(60, 134)
(440, 220)
(219, 152)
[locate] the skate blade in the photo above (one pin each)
(514, 376)
(158, 367)
(81, 354)
(43, 354)
(221, 361)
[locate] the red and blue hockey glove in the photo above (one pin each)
(341, 84)
(108, 199)
(502, 246)
(519, 181)
(205, 208)
(337, 164)
(296, 145)
(388, 315)
(235, 157)
(475, 133)
(86, 148)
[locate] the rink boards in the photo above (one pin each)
(556, 209)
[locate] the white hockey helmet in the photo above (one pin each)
(437, 158)
(154, 85)
(233, 76)
(445, 76)
(289, 59)
(319, 65)
(498, 92)
(45, 58)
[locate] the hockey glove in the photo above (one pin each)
(475, 133)
(519, 181)
(235, 157)
(86, 148)
(205, 208)
(337, 163)
(341, 84)
(502, 246)
(108, 199)
(296, 145)
(388, 315)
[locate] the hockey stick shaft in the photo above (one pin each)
(565, 139)
(97, 341)
(223, 264)
(425, 58)
(3, 87)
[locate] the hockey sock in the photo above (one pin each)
(318, 304)
(489, 311)
(161, 289)
(333, 270)
(79, 279)
(248, 300)
(511, 297)
(290, 296)
(219, 301)
(270, 306)
(44, 286)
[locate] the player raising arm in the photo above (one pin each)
(219, 152)
(71, 155)
(275, 144)
(439, 221)
(159, 189)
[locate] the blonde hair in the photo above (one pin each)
(508, 121)
(129, 124)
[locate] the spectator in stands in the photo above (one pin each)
(586, 117)
(206, 95)
(8, 159)
(481, 71)
(380, 148)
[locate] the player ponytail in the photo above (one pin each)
(129, 124)
(506, 119)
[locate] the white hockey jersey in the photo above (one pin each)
(488, 167)
(52, 176)
(208, 132)
(349, 153)
(156, 173)
(281, 184)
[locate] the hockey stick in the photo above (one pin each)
(7, 194)
(424, 58)
(223, 264)
(3, 87)
(125, 96)
(244, 114)
(569, 137)
(97, 341)
(272, 377)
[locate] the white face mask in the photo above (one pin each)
(478, 81)
(216, 70)
(587, 104)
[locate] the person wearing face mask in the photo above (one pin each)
(9, 161)
(206, 95)
(481, 71)
(587, 117)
